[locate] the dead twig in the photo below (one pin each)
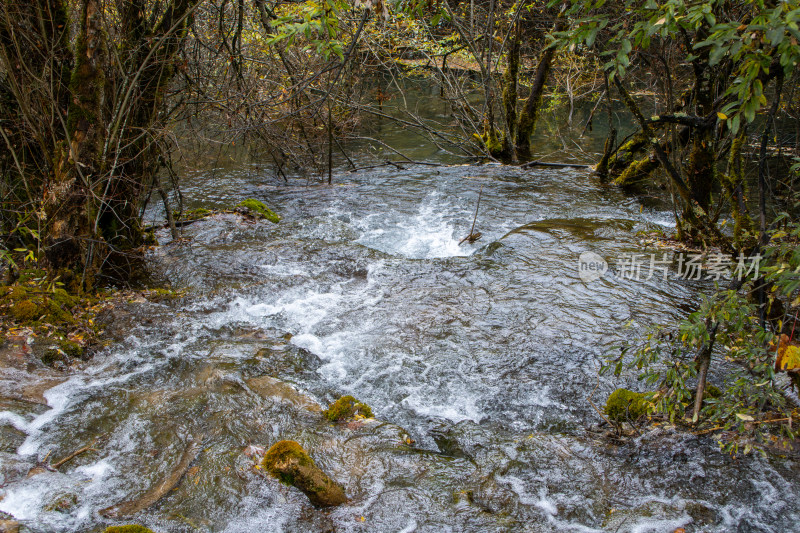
(73, 455)
(472, 237)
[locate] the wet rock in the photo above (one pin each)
(218, 380)
(9, 526)
(288, 462)
(62, 503)
(624, 405)
(347, 408)
(22, 375)
(62, 355)
(117, 321)
(269, 387)
(11, 438)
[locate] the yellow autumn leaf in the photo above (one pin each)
(746, 418)
(789, 359)
(722, 116)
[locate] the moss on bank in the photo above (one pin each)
(28, 303)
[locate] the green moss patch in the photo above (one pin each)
(259, 210)
(346, 408)
(624, 405)
(193, 214)
(285, 452)
(26, 303)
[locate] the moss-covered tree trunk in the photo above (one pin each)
(701, 169)
(510, 85)
(530, 110)
(71, 243)
(736, 189)
(148, 55)
(84, 152)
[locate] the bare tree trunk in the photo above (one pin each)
(703, 362)
(530, 111)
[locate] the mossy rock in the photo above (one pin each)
(624, 405)
(64, 352)
(346, 408)
(258, 209)
(63, 298)
(132, 528)
(289, 463)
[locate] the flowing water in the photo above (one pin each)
(485, 354)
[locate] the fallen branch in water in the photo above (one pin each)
(553, 165)
(472, 237)
(153, 495)
(73, 455)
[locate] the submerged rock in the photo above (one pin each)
(347, 408)
(269, 387)
(9, 526)
(132, 528)
(624, 405)
(289, 463)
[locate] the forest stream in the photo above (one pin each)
(478, 361)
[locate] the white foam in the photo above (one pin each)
(426, 235)
(455, 410)
(410, 528)
(58, 399)
(24, 501)
(15, 420)
(96, 471)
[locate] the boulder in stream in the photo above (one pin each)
(347, 408)
(9, 526)
(288, 462)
